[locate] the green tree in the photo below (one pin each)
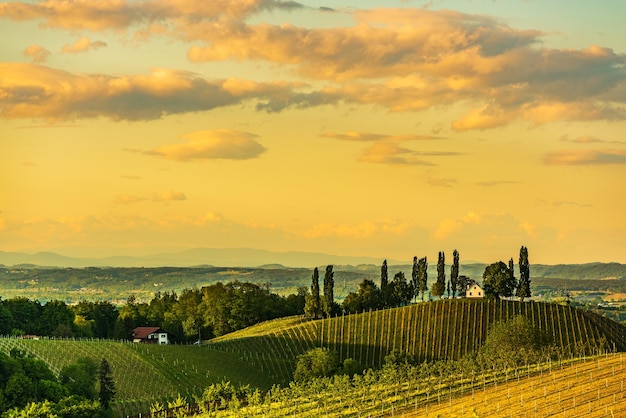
(384, 276)
(461, 285)
(367, 297)
(107, 385)
(498, 281)
(318, 362)
(523, 288)
(415, 280)
(328, 303)
(454, 273)
(422, 268)
(513, 342)
(439, 287)
(313, 303)
(400, 292)
(80, 378)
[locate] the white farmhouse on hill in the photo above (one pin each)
(474, 291)
(150, 335)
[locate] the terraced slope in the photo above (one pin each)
(447, 329)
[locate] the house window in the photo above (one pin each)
(470, 293)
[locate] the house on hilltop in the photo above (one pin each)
(474, 291)
(150, 335)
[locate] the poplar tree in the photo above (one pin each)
(384, 277)
(415, 280)
(439, 287)
(422, 272)
(523, 288)
(313, 303)
(454, 273)
(329, 284)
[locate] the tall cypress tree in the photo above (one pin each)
(523, 288)
(313, 304)
(384, 276)
(329, 298)
(107, 386)
(454, 273)
(439, 287)
(415, 279)
(422, 267)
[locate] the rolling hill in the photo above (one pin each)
(439, 330)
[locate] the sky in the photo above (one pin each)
(388, 129)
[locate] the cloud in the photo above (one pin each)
(167, 196)
(391, 153)
(82, 45)
(440, 182)
(122, 14)
(585, 157)
(571, 203)
(128, 198)
(386, 150)
(403, 60)
(357, 231)
(39, 92)
(495, 183)
(586, 139)
(447, 58)
(209, 145)
(170, 196)
(37, 52)
(367, 136)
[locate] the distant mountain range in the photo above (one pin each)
(224, 257)
(249, 257)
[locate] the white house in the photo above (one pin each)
(150, 335)
(474, 291)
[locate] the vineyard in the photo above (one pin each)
(145, 373)
(446, 329)
(593, 388)
(589, 386)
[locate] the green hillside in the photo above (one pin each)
(265, 354)
(446, 329)
(145, 373)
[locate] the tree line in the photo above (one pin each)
(197, 314)
(191, 315)
(498, 281)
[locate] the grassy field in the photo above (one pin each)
(446, 329)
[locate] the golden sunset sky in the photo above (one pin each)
(366, 128)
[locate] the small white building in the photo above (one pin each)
(150, 335)
(474, 291)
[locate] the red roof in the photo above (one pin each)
(143, 332)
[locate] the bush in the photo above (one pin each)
(513, 343)
(318, 362)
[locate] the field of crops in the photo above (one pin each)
(145, 373)
(446, 329)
